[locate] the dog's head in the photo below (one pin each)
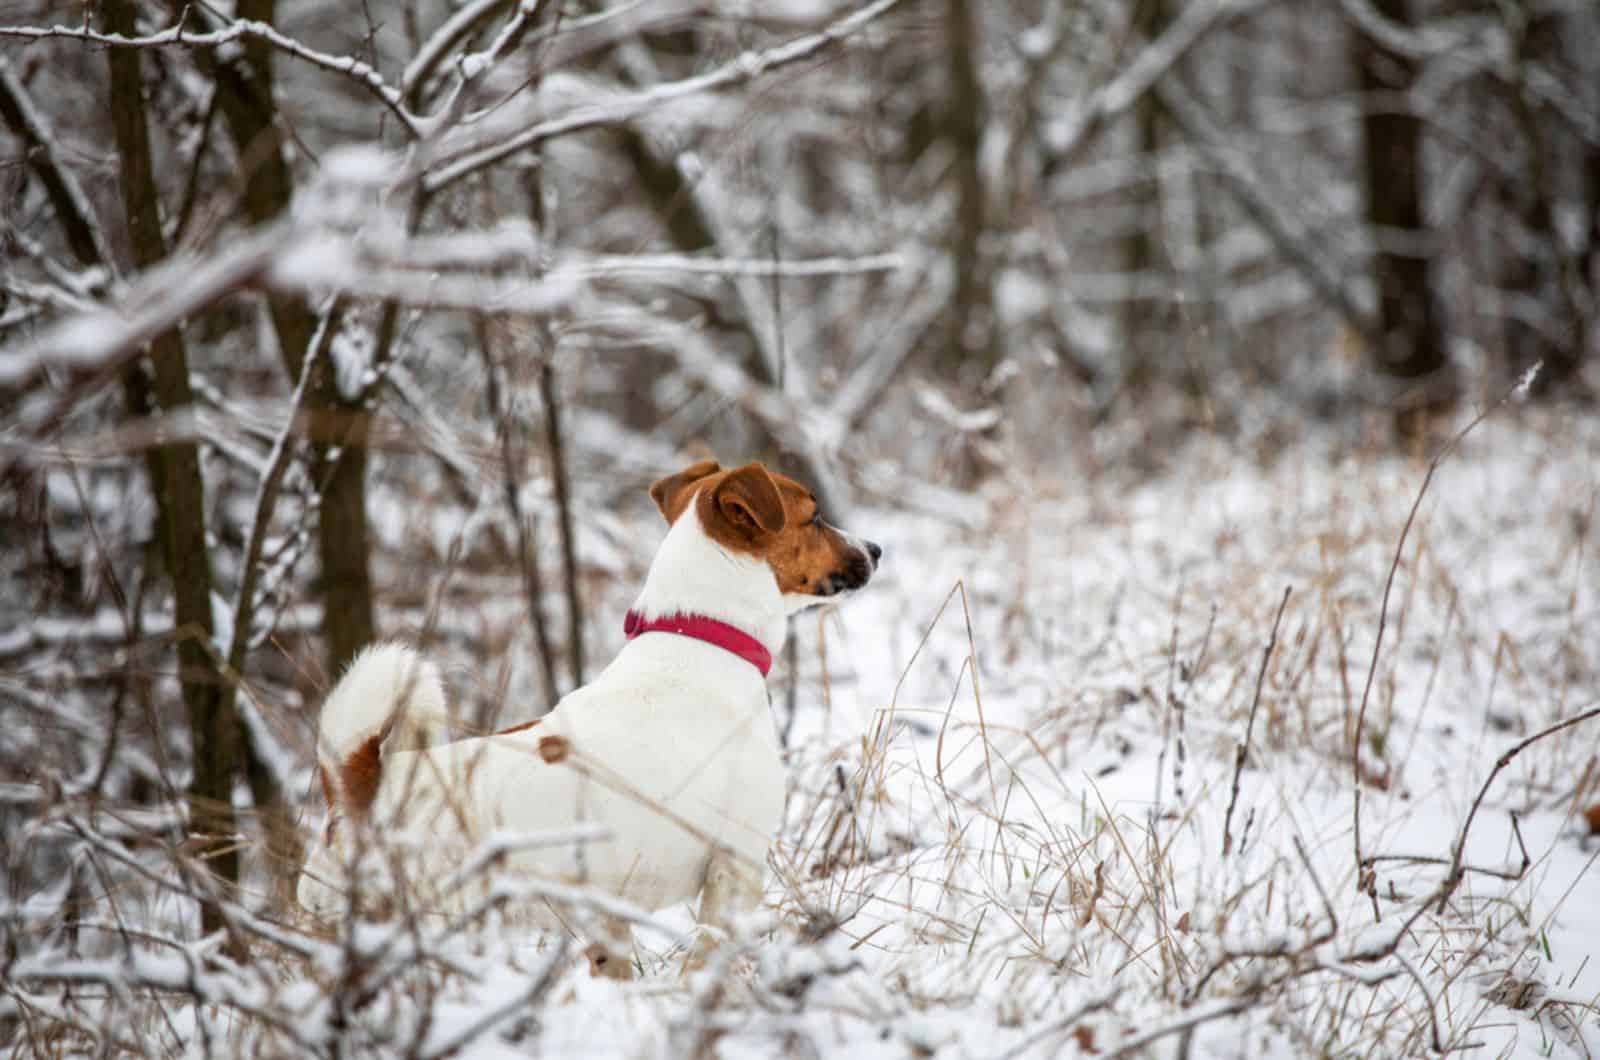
(775, 519)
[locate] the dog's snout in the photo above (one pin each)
(875, 551)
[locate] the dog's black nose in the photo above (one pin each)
(875, 552)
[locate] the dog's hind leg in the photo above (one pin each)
(732, 886)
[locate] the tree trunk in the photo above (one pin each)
(1590, 259)
(1547, 326)
(246, 99)
(1409, 345)
(970, 348)
(175, 481)
(1146, 325)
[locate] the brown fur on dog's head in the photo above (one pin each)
(772, 517)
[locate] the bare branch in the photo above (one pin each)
(746, 67)
(66, 196)
(1144, 73)
(175, 36)
(1282, 227)
(159, 299)
(267, 493)
(464, 21)
(1458, 850)
(1366, 881)
(789, 268)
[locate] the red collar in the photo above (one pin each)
(724, 636)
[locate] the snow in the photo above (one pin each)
(1009, 772)
(351, 350)
(362, 164)
(1047, 795)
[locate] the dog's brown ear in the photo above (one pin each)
(673, 492)
(748, 499)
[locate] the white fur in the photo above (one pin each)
(390, 686)
(672, 749)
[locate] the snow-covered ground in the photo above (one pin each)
(1024, 821)
(1070, 832)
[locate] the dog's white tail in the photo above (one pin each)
(391, 699)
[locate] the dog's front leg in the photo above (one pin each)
(732, 886)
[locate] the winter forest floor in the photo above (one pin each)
(1076, 779)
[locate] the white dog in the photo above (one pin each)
(670, 750)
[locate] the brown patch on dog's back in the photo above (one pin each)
(552, 749)
(524, 727)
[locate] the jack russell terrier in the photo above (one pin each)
(670, 750)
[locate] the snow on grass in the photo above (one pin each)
(1011, 770)
(1010, 850)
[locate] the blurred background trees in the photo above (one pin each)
(293, 290)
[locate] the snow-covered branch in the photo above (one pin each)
(72, 207)
(624, 106)
(1152, 62)
(177, 36)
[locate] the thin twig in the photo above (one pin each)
(66, 195)
(267, 493)
(1059, 1025)
(1367, 881)
(1453, 879)
(1125, 1046)
(536, 989)
(1244, 747)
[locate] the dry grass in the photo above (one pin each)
(1093, 795)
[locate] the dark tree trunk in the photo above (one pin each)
(1409, 345)
(176, 484)
(970, 347)
(555, 447)
(1590, 260)
(1546, 324)
(246, 98)
(1146, 325)
(342, 538)
(549, 396)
